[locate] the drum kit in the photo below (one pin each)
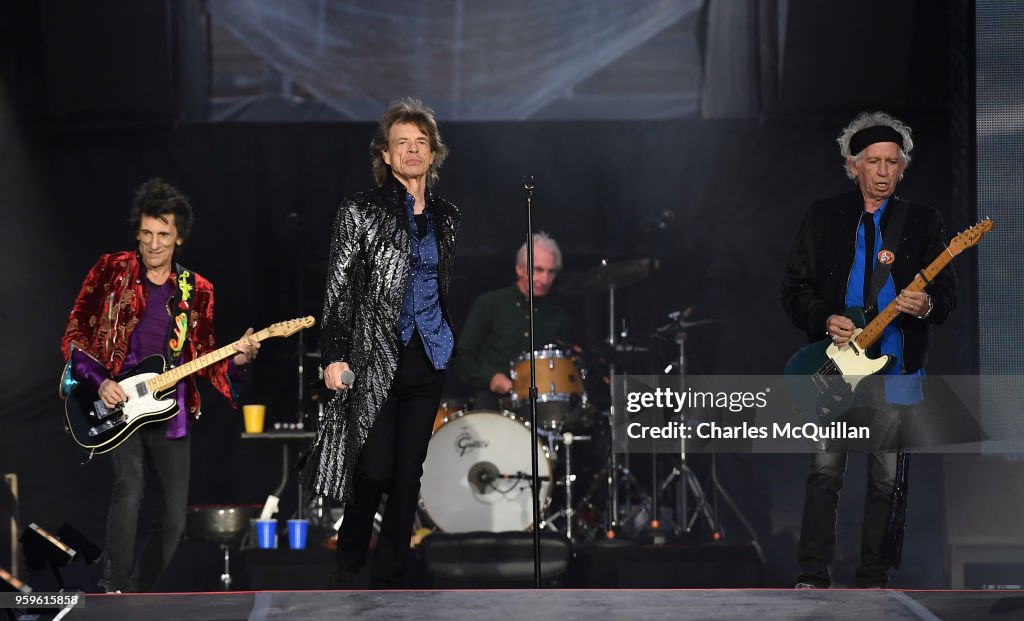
(477, 473)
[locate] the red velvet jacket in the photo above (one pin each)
(110, 304)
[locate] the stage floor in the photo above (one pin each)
(592, 605)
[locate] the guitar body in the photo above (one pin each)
(98, 429)
(822, 378)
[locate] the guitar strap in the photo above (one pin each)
(890, 243)
(181, 307)
(896, 524)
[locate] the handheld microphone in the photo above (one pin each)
(348, 377)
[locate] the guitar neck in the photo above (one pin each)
(170, 378)
(873, 331)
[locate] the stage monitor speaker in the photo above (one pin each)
(9, 583)
(984, 520)
(89, 551)
(492, 560)
(626, 565)
(10, 554)
(41, 547)
(286, 569)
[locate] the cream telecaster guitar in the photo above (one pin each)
(822, 377)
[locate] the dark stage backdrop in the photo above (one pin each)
(737, 190)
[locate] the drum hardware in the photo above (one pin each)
(606, 277)
(687, 484)
(630, 506)
(445, 410)
(568, 513)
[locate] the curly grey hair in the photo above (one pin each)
(872, 119)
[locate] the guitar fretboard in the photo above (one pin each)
(170, 378)
(873, 331)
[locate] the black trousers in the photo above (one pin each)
(392, 462)
(168, 463)
(889, 424)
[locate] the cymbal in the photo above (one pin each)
(608, 274)
(686, 325)
(618, 348)
(676, 327)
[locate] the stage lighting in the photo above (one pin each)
(9, 583)
(41, 547)
(89, 551)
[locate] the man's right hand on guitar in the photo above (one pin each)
(111, 393)
(840, 329)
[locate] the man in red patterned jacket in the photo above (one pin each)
(132, 305)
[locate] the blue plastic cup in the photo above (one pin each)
(297, 532)
(266, 534)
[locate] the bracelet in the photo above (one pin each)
(931, 305)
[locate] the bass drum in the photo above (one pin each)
(476, 476)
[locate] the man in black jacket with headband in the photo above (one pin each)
(840, 244)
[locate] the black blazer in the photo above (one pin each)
(367, 275)
(818, 269)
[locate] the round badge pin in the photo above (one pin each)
(886, 257)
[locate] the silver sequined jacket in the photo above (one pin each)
(368, 270)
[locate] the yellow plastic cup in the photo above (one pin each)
(254, 415)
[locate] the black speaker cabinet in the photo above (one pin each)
(492, 560)
(984, 521)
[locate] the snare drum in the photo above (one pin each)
(559, 385)
(476, 476)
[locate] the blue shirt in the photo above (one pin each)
(900, 388)
(421, 306)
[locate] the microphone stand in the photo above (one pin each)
(534, 459)
(294, 222)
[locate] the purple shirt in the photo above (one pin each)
(150, 337)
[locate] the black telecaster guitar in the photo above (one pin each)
(150, 389)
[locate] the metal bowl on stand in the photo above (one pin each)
(225, 525)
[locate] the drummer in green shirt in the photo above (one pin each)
(496, 331)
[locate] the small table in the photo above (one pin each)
(284, 437)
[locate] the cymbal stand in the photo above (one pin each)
(612, 514)
(619, 474)
(294, 221)
(686, 480)
(568, 512)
